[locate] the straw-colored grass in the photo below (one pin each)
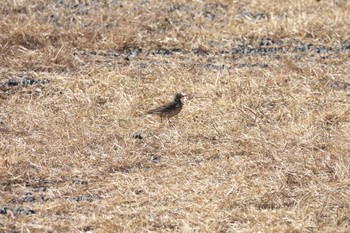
(262, 144)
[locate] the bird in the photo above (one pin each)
(170, 109)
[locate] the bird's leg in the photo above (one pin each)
(168, 122)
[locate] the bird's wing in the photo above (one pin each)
(163, 109)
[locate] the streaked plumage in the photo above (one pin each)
(169, 110)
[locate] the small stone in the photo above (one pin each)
(137, 135)
(155, 159)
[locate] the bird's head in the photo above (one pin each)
(178, 97)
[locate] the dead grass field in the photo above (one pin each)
(262, 144)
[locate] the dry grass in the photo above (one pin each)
(262, 144)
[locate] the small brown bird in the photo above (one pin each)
(169, 110)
